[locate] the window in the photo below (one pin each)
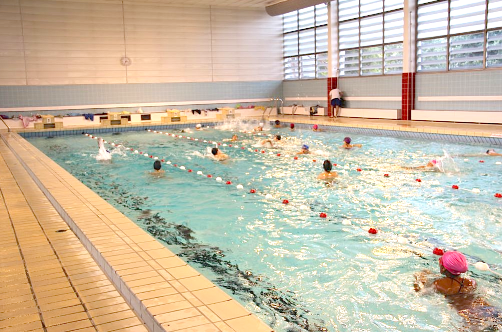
(306, 43)
(370, 37)
(459, 34)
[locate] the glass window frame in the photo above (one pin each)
(303, 55)
(383, 44)
(452, 36)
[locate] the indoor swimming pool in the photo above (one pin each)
(260, 233)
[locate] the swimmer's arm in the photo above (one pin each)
(357, 145)
(422, 281)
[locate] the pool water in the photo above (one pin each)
(295, 270)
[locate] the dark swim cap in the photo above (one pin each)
(214, 151)
(157, 165)
(277, 122)
(327, 165)
(347, 140)
(278, 137)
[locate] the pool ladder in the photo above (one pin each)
(269, 109)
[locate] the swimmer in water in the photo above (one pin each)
(305, 149)
(218, 155)
(259, 128)
(347, 145)
(328, 174)
(235, 138)
(276, 139)
(198, 127)
(460, 292)
(433, 165)
(157, 171)
(316, 128)
(491, 152)
(292, 127)
(277, 124)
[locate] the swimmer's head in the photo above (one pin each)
(214, 151)
(454, 262)
(157, 165)
(305, 147)
(277, 122)
(434, 161)
(292, 126)
(261, 124)
(198, 126)
(315, 127)
(278, 137)
(327, 165)
(489, 151)
(347, 140)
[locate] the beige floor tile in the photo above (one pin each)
(185, 323)
(112, 317)
(58, 320)
(248, 324)
(163, 300)
(211, 295)
(120, 324)
(177, 315)
(228, 310)
(63, 311)
(109, 310)
(19, 320)
(70, 326)
(24, 327)
(167, 308)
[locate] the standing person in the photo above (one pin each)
(335, 97)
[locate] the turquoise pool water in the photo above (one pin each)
(295, 270)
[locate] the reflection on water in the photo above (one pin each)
(297, 271)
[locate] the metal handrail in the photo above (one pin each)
(8, 128)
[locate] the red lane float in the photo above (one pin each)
(323, 215)
(454, 186)
(438, 251)
(418, 180)
(372, 231)
(498, 195)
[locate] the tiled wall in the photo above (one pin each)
(451, 84)
(56, 42)
(93, 94)
(381, 86)
(305, 88)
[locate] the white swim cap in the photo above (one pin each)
(261, 124)
(198, 125)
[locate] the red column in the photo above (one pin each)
(408, 95)
(332, 84)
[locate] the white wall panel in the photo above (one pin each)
(73, 42)
(160, 39)
(12, 69)
(246, 45)
(82, 41)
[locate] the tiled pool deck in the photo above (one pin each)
(71, 262)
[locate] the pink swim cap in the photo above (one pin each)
(315, 127)
(292, 125)
(454, 262)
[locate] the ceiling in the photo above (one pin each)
(220, 3)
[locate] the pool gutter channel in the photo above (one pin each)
(134, 302)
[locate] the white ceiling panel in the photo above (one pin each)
(219, 3)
